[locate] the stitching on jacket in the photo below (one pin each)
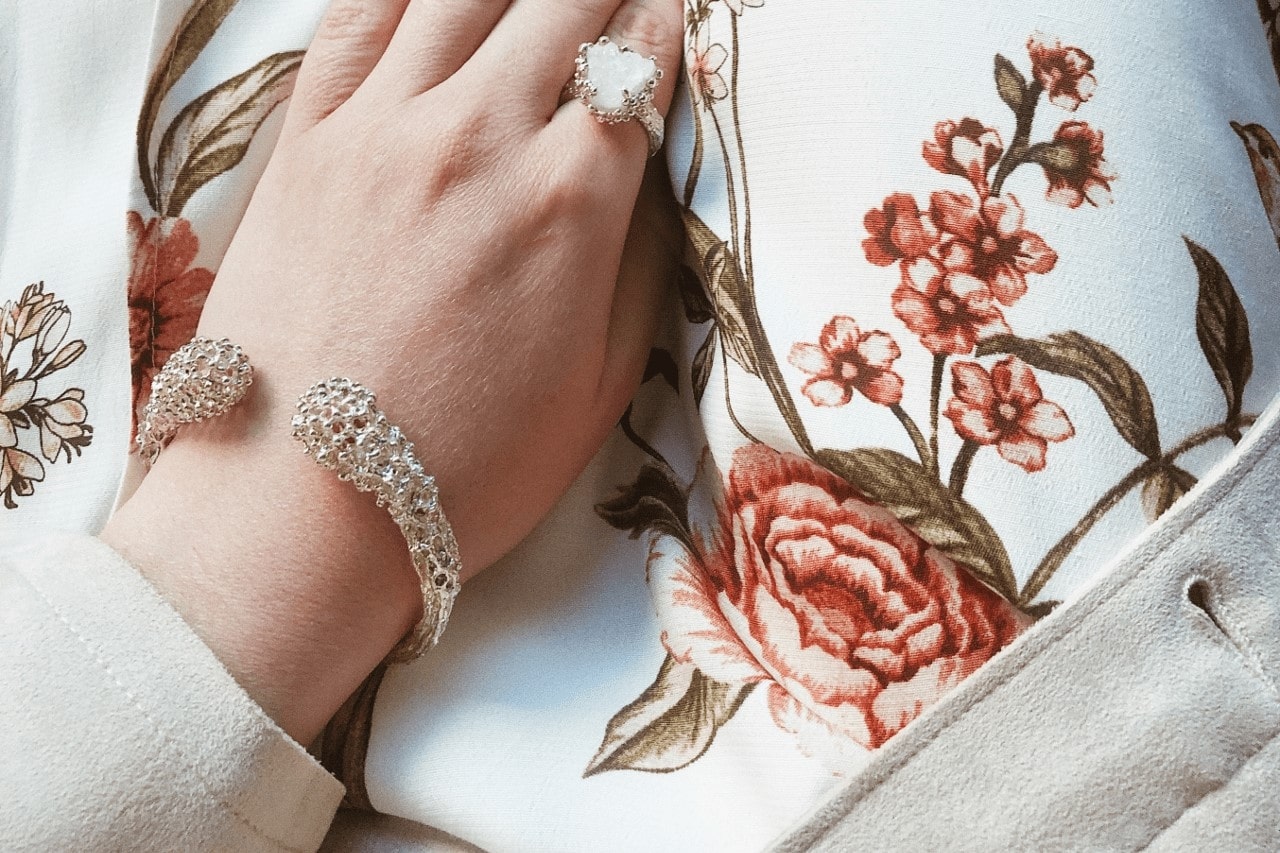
(100, 660)
(1136, 568)
(1245, 647)
(1253, 756)
(1226, 631)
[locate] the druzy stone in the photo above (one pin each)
(615, 72)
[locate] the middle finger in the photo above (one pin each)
(434, 39)
(534, 46)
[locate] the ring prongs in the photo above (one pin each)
(613, 81)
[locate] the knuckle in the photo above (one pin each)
(323, 85)
(568, 191)
(651, 28)
(345, 19)
(458, 147)
(462, 135)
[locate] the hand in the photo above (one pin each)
(437, 226)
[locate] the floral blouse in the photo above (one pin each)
(970, 296)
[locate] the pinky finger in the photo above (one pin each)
(352, 37)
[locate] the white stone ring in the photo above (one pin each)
(616, 84)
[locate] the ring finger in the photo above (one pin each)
(648, 28)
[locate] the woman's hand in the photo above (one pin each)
(435, 224)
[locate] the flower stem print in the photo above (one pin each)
(1222, 328)
(963, 259)
(726, 268)
(33, 331)
(844, 590)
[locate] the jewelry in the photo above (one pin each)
(341, 428)
(203, 379)
(616, 84)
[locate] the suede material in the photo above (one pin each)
(1144, 713)
(120, 730)
(1242, 815)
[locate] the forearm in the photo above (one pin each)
(120, 730)
(298, 583)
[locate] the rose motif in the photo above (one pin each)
(165, 296)
(967, 148)
(1075, 167)
(1006, 408)
(1063, 72)
(988, 241)
(845, 360)
(950, 311)
(899, 231)
(848, 617)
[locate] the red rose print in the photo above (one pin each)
(967, 148)
(950, 311)
(165, 296)
(899, 231)
(844, 360)
(1006, 408)
(989, 242)
(1064, 72)
(828, 599)
(704, 61)
(1076, 170)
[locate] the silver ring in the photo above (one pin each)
(616, 84)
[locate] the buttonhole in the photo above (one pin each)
(1198, 594)
(1201, 597)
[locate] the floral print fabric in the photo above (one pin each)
(971, 295)
(859, 581)
(852, 621)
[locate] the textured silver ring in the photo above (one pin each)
(616, 85)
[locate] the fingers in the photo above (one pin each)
(348, 44)
(650, 28)
(434, 39)
(650, 260)
(533, 47)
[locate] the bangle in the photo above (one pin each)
(341, 428)
(202, 379)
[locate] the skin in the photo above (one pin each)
(436, 224)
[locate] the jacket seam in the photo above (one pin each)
(1244, 765)
(99, 659)
(1193, 515)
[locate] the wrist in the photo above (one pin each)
(297, 582)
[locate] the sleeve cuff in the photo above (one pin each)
(127, 730)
